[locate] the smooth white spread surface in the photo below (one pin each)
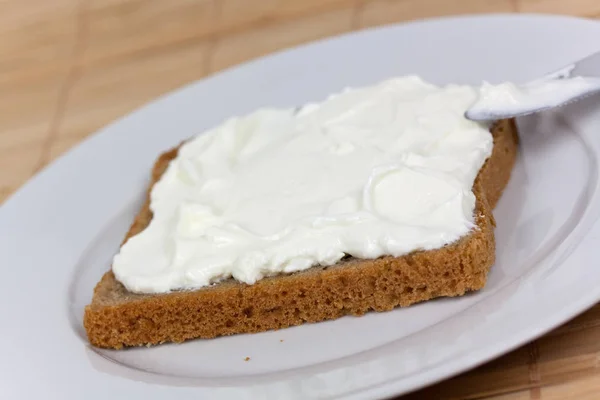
(511, 98)
(380, 170)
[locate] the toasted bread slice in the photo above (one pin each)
(118, 318)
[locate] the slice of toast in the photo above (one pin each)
(118, 318)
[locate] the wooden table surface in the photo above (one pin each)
(68, 67)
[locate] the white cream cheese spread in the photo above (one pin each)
(381, 170)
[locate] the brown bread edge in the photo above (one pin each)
(118, 318)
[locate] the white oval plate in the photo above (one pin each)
(61, 229)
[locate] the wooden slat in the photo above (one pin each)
(581, 389)
(236, 14)
(26, 112)
(377, 12)
(126, 28)
(36, 51)
(578, 389)
(36, 39)
(235, 48)
(520, 395)
(107, 92)
(568, 7)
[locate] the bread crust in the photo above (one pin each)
(118, 318)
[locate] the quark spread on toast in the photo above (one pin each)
(380, 170)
